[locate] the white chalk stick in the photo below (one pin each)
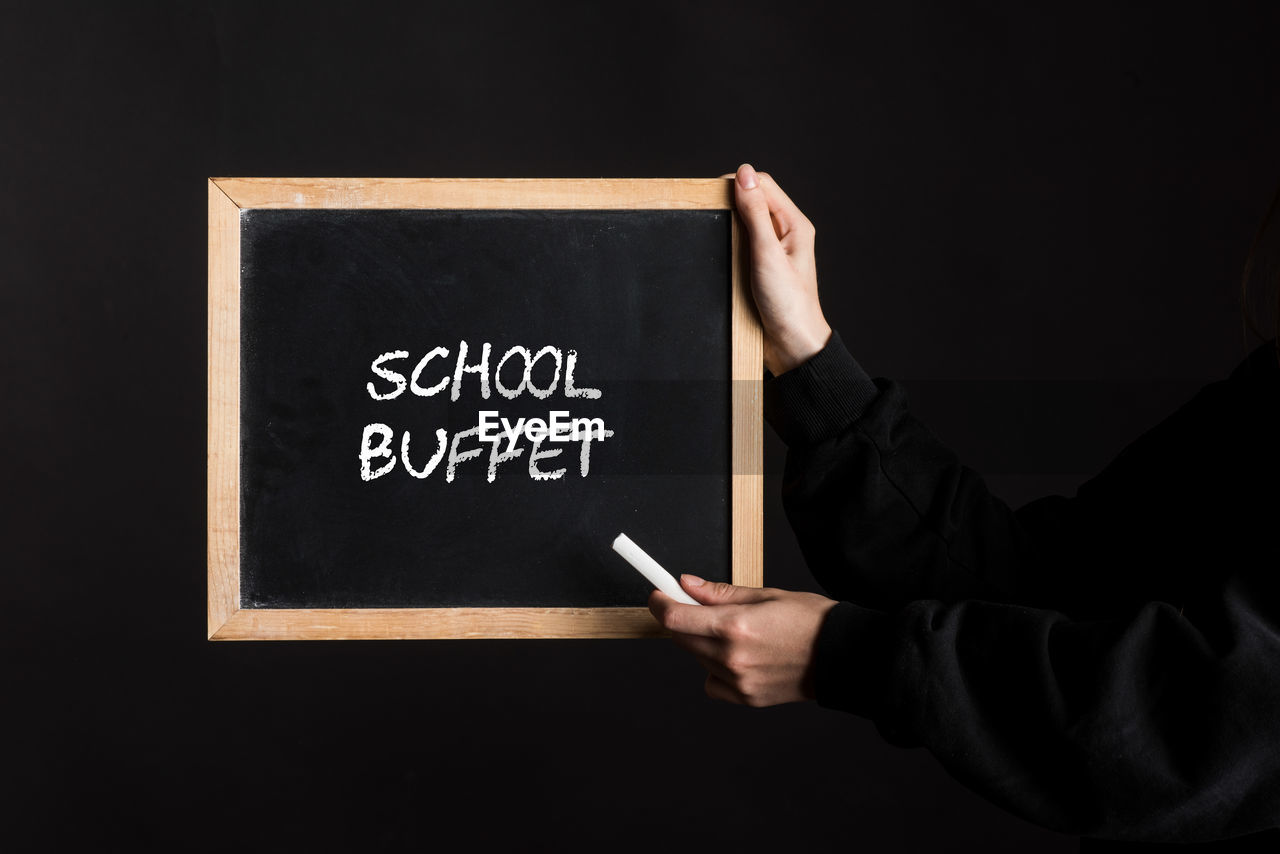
(651, 569)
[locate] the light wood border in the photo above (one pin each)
(224, 409)
(228, 196)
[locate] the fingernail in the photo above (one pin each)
(692, 580)
(747, 176)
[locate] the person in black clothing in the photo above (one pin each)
(1105, 665)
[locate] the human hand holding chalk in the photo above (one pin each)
(651, 569)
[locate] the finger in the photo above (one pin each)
(718, 689)
(719, 593)
(700, 646)
(715, 668)
(676, 617)
(707, 652)
(752, 203)
(786, 215)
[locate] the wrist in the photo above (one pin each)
(808, 681)
(787, 350)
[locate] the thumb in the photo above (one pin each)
(719, 593)
(753, 207)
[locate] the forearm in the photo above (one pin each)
(883, 512)
(1139, 728)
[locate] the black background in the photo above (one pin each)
(1034, 216)
(641, 299)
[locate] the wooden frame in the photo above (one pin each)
(229, 196)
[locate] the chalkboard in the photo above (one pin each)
(374, 347)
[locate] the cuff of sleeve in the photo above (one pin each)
(815, 400)
(851, 671)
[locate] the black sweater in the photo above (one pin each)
(1105, 665)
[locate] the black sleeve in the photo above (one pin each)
(1046, 669)
(883, 512)
(1142, 728)
(886, 514)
